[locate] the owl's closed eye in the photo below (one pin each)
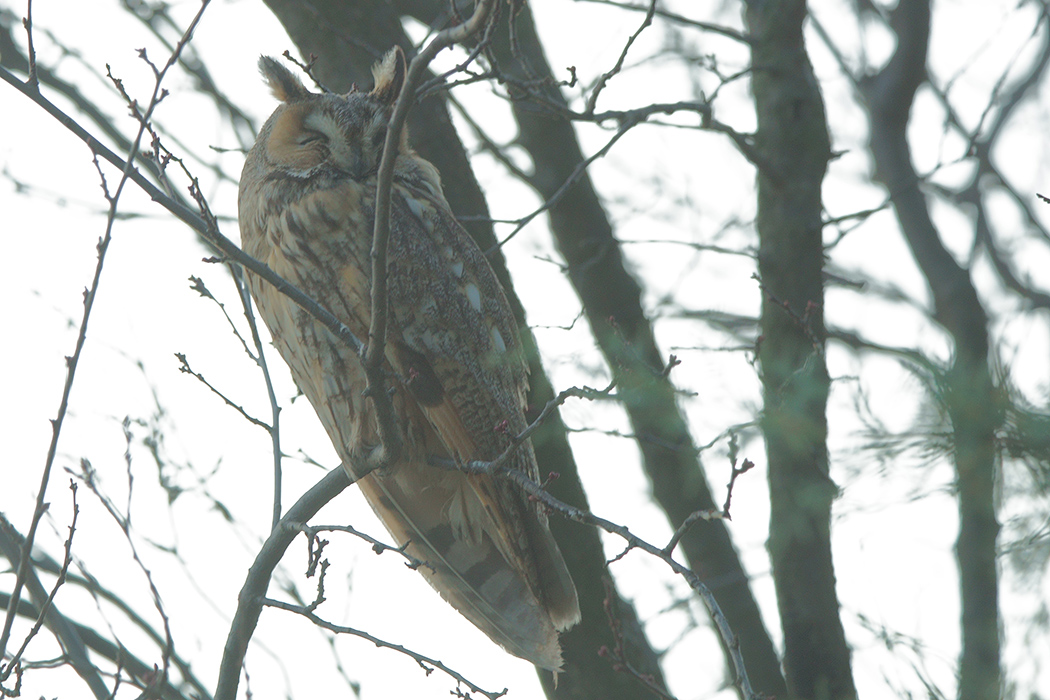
(343, 133)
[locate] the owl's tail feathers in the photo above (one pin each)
(469, 571)
(556, 586)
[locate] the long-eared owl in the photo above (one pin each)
(307, 209)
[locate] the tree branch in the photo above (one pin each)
(253, 592)
(375, 353)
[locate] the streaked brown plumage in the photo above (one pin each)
(307, 199)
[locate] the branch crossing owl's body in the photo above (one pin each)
(307, 201)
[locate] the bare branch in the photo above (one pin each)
(259, 357)
(275, 408)
(250, 599)
(425, 662)
(618, 653)
(679, 19)
(32, 81)
(184, 367)
(592, 101)
(46, 612)
(378, 547)
(374, 354)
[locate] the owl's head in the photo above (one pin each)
(313, 134)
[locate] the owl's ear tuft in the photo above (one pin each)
(389, 75)
(284, 84)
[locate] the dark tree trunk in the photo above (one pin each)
(792, 147)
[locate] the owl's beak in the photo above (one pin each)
(350, 159)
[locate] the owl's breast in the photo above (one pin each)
(318, 227)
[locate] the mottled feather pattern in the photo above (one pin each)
(454, 356)
(453, 330)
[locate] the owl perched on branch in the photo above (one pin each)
(455, 365)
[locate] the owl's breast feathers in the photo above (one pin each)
(459, 378)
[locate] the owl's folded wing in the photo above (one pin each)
(455, 343)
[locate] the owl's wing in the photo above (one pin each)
(455, 343)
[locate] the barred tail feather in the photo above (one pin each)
(469, 571)
(556, 586)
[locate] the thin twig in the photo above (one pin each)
(197, 285)
(259, 358)
(618, 653)
(32, 81)
(271, 395)
(592, 101)
(680, 19)
(377, 546)
(519, 439)
(184, 367)
(706, 514)
(427, 663)
(576, 174)
(81, 664)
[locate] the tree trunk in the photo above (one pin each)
(793, 149)
(968, 390)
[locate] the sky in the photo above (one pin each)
(892, 538)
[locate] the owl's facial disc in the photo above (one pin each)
(345, 150)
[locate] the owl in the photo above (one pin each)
(453, 354)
